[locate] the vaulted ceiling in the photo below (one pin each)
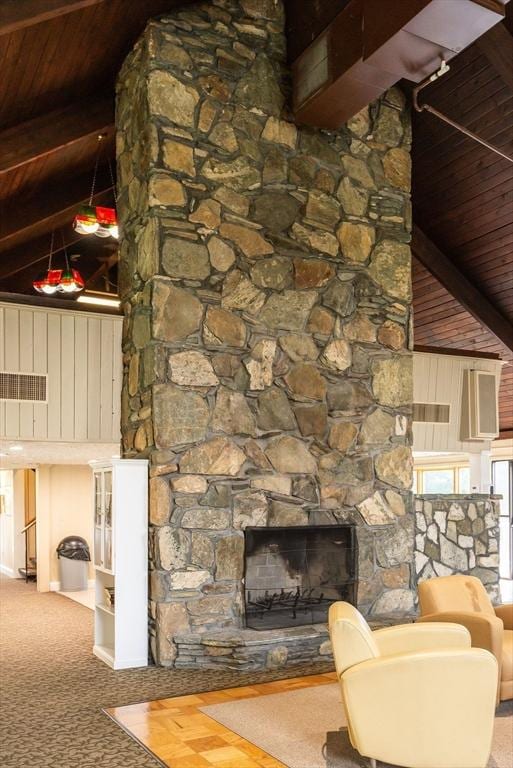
(59, 60)
(463, 209)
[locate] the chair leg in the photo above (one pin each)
(373, 763)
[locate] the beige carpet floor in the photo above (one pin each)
(52, 688)
(305, 728)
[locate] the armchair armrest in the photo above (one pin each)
(485, 630)
(505, 612)
(408, 638)
(401, 709)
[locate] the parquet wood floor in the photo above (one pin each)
(181, 736)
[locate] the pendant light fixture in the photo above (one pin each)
(97, 220)
(48, 282)
(67, 280)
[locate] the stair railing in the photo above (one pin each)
(29, 525)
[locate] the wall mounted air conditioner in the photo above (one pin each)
(479, 406)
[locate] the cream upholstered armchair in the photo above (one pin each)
(463, 599)
(414, 695)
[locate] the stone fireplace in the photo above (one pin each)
(265, 281)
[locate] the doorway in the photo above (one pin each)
(29, 530)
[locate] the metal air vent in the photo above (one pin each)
(431, 413)
(23, 387)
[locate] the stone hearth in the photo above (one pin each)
(265, 281)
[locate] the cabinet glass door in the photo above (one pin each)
(107, 517)
(98, 519)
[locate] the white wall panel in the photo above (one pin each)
(68, 375)
(54, 377)
(40, 366)
(106, 382)
(26, 336)
(439, 379)
(81, 354)
(117, 379)
(12, 363)
(80, 384)
(2, 367)
(93, 379)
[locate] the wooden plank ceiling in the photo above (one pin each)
(463, 205)
(59, 60)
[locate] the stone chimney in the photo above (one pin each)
(265, 281)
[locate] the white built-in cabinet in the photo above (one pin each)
(120, 557)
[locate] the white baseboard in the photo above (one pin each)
(7, 571)
(55, 586)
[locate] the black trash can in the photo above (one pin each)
(74, 556)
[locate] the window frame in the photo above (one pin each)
(455, 467)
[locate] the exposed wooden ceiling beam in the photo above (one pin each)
(497, 46)
(18, 14)
(455, 352)
(50, 208)
(460, 287)
(104, 269)
(55, 131)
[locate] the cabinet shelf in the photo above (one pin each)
(106, 608)
(104, 570)
(121, 562)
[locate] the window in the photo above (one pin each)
(502, 479)
(438, 480)
(454, 478)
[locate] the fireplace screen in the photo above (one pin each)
(292, 575)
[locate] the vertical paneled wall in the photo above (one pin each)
(81, 353)
(439, 379)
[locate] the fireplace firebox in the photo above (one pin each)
(293, 575)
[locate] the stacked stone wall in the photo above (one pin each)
(458, 534)
(265, 281)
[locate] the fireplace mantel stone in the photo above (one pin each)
(265, 283)
(247, 649)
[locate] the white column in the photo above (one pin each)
(43, 514)
(19, 519)
(486, 471)
(7, 524)
(480, 471)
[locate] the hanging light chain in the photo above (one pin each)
(113, 184)
(101, 136)
(65, 250)
(51, 250)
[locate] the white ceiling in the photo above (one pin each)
(34, 453)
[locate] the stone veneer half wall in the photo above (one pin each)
(265, 281)
(458, 534)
